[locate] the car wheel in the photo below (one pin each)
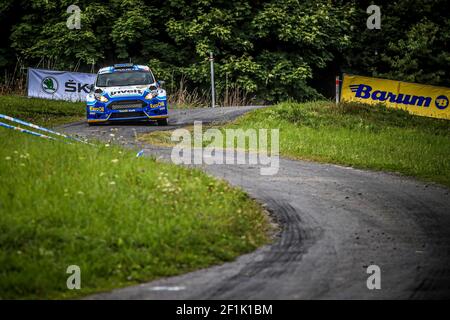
(162, 122)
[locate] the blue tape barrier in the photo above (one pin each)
(37, 134)
(140, 153)
(29, 124)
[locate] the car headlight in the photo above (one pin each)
(102, 98)
(151, 95)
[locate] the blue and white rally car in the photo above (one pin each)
(126, 92)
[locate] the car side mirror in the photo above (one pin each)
(161, 83)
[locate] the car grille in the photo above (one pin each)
(122, 115)
(126, 105)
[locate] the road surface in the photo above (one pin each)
(335, 222)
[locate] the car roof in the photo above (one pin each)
(124, 67)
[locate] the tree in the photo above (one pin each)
(274, 50)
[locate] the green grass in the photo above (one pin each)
(354, 135)
(122, 219)
(42, 111)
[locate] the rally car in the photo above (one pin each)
(126, 92)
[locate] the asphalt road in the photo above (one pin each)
(335, 221)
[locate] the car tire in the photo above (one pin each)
(162, 122)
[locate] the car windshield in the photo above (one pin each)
(124, 78)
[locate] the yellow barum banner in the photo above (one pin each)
(420, 99)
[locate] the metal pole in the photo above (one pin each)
(213, 93)
(337, 90)
(28, 81)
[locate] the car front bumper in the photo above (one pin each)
(126, 109)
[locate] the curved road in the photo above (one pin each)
(335, 221)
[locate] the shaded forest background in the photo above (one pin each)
(267, 50)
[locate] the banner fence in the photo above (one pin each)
(419, 99)
(59, 85)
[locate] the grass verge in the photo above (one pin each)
(354, 135)
(121, 219)
(42, 111)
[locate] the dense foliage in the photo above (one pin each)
(273, 50)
